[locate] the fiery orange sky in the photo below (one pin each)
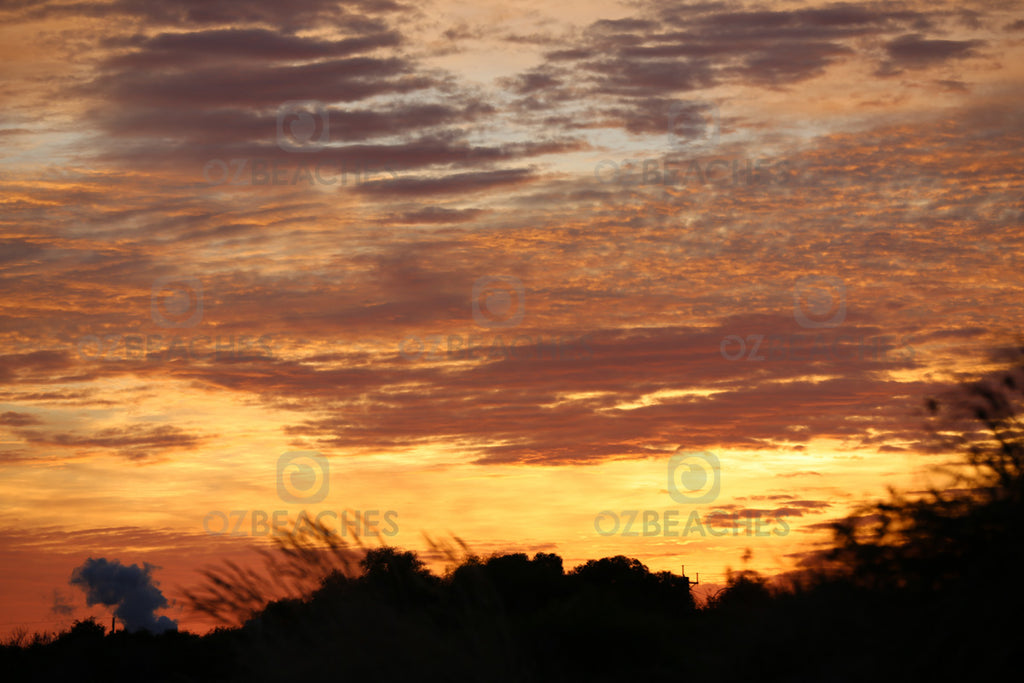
(542, 277)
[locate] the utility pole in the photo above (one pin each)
(687, 578)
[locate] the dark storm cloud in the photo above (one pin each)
(670, 51)
(781, 64)
(17, 251)
(291, 16)
(623, 270)
(607, 276)
(475, 181)
(298, 13)
(914, 51)
(13, 419)
(238, 45)
(266, 85)
(136, 442)
(33, 365)
(172, 101)
(436, 215)
(459, 405)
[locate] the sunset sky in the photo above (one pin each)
(504, 267)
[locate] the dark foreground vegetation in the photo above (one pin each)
(914, 589)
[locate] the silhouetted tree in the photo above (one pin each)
(916, 588)
(961, 536)
(87, 630)
(745, 590)
(397, 575)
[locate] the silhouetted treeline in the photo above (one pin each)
(917, 588)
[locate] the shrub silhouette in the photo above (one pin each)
(87, 631)
(918, 587)
(967, 534)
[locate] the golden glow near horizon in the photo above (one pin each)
(484, 271)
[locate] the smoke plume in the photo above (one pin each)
(128, 588)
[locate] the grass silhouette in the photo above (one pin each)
(921, 587)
